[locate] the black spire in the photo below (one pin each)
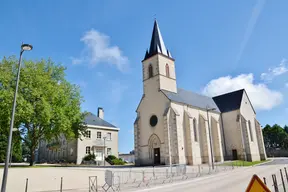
(157, 44)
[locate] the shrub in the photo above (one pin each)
(111, 157)
(118, 162)
(114, 160)
(89, 157)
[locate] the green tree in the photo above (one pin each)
(275, 136)
(47, 104)
(285, 128)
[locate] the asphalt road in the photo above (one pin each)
(277, 161)
(236, 180)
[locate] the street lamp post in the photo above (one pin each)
(24, 47)
(210, 139)
(104, 149)
(14, 129)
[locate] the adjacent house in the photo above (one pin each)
(102, 140)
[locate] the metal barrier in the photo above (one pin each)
(136, 177)
(278, 185)
(93, 184)
(145, 177)
(110, 181)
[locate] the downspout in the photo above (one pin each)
(223, 133)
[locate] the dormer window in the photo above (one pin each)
(167, 70)
(150, 70)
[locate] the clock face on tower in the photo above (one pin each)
(153, 120)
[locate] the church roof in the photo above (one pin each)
(190, 98)
(157, 44)
(230, 101)
(91, 119)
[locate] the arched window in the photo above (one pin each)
(195, 130)
(250, 130)
(167, 70)
(150, 71)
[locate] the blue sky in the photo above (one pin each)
(219, 46)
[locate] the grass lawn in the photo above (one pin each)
(242, 163)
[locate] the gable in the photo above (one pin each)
(140, 102)
(247, 101)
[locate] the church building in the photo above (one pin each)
(176, 126)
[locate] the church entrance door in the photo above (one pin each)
(234, 154)
(156, 156)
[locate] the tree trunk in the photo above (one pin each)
(32, 157)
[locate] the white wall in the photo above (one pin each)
(248, 113)
(153, 103)
(184, 139)
(94, 141)
(232, 133)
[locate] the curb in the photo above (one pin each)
(268, 161)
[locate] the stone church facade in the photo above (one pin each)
(176, 126)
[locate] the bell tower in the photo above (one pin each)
(158, 65)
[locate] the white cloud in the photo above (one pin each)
(286, 85)
(276, 71)
(257, 9)
(98, 50)
(261, 96)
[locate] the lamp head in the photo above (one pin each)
(26, 47)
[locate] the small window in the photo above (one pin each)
(150, 71)
(167, 70)
(88, 134)
(250, 130)
(87, 150)
(109, 151)
(108, 136)
(98, 135)
(195, 130)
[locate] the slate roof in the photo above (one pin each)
(157, 44)
(92, 119)
(190, 98)
(229, 101)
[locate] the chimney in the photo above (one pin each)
(100, 113)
